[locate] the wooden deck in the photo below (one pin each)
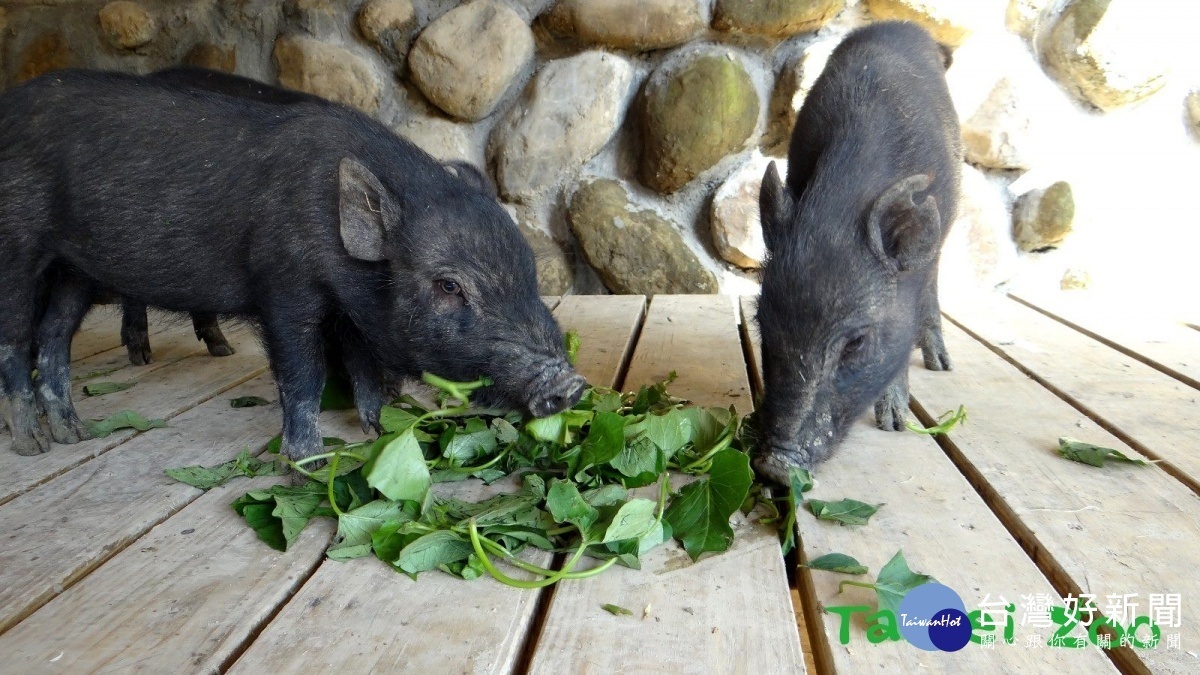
(108, 565)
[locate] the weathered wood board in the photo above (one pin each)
(60, 532)
(739, 618)
(1106, 531)
(1169, 346)
(184, 376)
(1152, 411)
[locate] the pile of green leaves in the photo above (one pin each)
(576, 470)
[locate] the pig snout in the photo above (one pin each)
(555, 387)
(796, 438)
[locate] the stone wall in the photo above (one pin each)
(628, 137)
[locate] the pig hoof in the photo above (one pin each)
(933, 351)
(890, 411)
(221, 348)
(68, 428)
(29, 445)
(140, 356)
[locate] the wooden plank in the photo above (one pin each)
(726, 613)
(347, 616)
(604, 360)
(183, 376)
(1102, 531)
(944, 528)
(1165, 345)
(1154, 413)
(58, 533)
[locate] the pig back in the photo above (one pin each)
(182, 198)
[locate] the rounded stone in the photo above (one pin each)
(213, 57)
(1042, 219)
(792, 85)
(1107, 52)
(999, 134)
(693, 116)
(47, 52)
(127, 25)
(775, 18)
(736, 227)
(633, 251)
(555, 272)
(444, 139)
(979, 251)
(1193, 109)
(465, 61)
(326, 70)
(660, 23)
(388, 24)
(574, 107)
(948, 21)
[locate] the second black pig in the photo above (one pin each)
(293, 216)
(854, 239)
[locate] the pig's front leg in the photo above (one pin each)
(366, 378)
(933, 346)
(891, 410)
(299, 367)
(69, 301)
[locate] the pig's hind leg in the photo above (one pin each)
(209, 331)
(69, 300)
(135, 332)
(366, 378)
(17, 313)
(933, 346)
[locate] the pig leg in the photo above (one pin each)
(365, 377)
(209, 331)
(297, 361)
(933, 347)
(891, 410)
(20, 407)
(70, 299)
(135, 332)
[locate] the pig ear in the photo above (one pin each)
(361, 205)
(471, 176)
(903, 234)
(774, 205)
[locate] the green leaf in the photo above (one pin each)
(616, 610)
(894, 582)
(248, 402)
(566, 505)
(800, 480)
(356, 526)
(395, 420)
(558, 428)
(102, 388)
(642, 461)
(393, 536)
(605, 440)
(571, 340)
(468, 447)
(837, 562)
(946, 422)
(278, 514)
(94, 373)
(126, 419)
(699, 516)
(431, 550)
(245, 464)
(670, 432)
(845, 511)
(1086, 453)
(606, 495)
(399, 471)
(634, 520)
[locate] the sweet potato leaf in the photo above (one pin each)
(845, 511)
(102, 388)
(1086, 453)
(699, 515)
(126, 419)
(837, 562)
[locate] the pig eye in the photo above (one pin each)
(449, 286)
(853, 347)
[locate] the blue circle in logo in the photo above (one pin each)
(950, 631)
(919, 615)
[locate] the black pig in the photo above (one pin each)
(298, 217)
(854, 239)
